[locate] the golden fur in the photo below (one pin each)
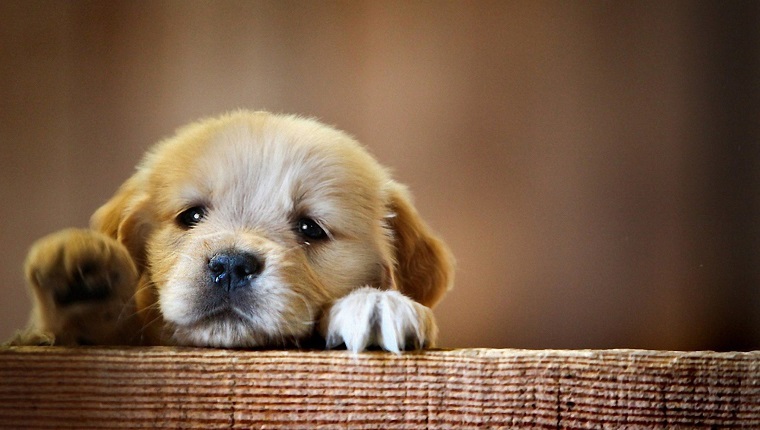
(327, 243)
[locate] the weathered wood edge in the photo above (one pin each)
(93, 387)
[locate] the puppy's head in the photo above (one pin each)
(245, 227)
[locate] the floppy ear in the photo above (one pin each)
(125, 217)
(424, 266)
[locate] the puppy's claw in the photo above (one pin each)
(370, 317)
(31, 338)
(345, 318)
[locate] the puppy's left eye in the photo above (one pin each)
(309, 229)
(190, 217)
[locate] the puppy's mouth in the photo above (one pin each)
(212, 305)
(242, 324)
(225, 314)
(224, 326)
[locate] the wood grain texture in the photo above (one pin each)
(55, 387)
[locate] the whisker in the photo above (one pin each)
(210, 235)
(149, 323)
(286, 251)
(131, 301)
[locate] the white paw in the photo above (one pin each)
(371, 317)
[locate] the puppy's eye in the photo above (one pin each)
(309, 229)
(190, 217)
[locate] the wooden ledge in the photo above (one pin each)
(58, 387)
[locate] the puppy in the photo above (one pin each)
(246, 230)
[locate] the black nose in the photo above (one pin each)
(232, 270)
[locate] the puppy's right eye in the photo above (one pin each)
(190, 217)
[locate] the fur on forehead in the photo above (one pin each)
(258, 163)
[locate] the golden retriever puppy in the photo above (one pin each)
(246, 230)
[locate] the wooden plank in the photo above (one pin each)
(56, 387)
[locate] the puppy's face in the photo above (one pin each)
(247, 226)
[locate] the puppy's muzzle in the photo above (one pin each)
(232, 270)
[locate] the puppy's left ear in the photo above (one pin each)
(424, 266)
(125, 218)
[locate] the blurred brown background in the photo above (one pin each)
(593, 165)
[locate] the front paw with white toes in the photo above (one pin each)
(370, 317)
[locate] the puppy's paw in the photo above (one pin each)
(82, 283)
(371, 317)
(76, 266)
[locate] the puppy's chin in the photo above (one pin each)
(225, 331)
(277, 317)
(233, 328)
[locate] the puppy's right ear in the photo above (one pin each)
(424, 266)
(126, 218)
